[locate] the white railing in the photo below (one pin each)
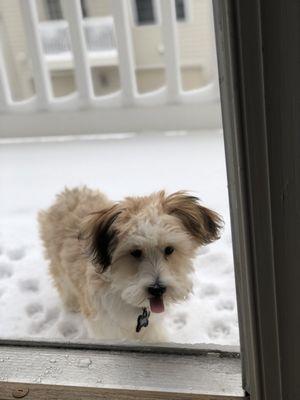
(99, 36)
(168, 108)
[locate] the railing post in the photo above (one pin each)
(171, 45)
(73, 14)
(125, 50)
(40, 73)
(5, 93)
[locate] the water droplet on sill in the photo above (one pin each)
(84, 363)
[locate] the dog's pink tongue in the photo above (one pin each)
(157, 305)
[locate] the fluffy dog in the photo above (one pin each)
(112, 260)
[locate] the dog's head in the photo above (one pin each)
(146, 245)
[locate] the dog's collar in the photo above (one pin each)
(143, 320)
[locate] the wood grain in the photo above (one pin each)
(50, 392)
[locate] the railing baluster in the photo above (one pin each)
(5, 93)
(40, 73)
(73, 14)
(170, 38)
(125, 50)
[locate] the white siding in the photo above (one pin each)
(14, 43)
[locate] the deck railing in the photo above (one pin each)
(168, 108)
(99, 36)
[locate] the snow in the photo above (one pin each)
(32, 172)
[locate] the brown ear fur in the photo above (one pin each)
(202, 223)
(100, 235)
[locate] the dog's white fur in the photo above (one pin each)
(89, 241)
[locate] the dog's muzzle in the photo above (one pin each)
(156, 292)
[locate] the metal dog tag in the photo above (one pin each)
(143, 320)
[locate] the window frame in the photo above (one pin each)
(261, 129)
(258, 55)
(15, 353)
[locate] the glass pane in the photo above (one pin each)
(144, 11)
(180, 9)
(137, 229)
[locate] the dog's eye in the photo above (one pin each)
(136, 253)
(169, 250)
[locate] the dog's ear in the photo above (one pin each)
(99, 232)
(202, 223)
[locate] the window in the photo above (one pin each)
(146, 11)
(54, 9)
(259, 99)
(180, 10)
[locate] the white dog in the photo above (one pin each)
(114, 261)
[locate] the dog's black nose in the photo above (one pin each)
(157, 290)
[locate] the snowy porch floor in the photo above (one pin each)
(32, 173)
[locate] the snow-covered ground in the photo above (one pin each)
(32, 173)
